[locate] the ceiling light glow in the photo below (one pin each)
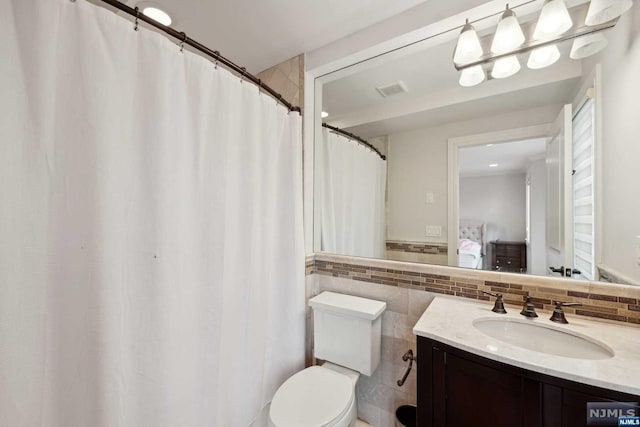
(157, 14)
(494, 165)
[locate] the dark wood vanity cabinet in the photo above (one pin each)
(457, 388)
(508, 256)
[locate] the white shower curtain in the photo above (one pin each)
(151, 254)
(351, 182)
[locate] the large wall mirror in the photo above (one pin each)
(509, 164)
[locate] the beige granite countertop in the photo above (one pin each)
(450, 321)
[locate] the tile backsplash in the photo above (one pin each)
(408, 289)
(600, 300)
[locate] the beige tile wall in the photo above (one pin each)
(287, 78)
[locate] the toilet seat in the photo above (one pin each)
(314, 397)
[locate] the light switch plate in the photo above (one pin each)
(433, 231)
(429, 197)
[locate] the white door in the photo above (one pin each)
(559, 193)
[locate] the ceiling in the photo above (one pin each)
(510, 157)
(260, 34)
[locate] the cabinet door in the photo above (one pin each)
(478, 395)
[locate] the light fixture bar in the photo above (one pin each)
(579, 30)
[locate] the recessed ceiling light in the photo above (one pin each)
(154, 12)
(324, 114)
(493, 165)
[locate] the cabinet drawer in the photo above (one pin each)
(511, 251)
(503, 261)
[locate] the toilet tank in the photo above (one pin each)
(347, 330)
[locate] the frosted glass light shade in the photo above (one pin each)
(554, 20)
(505, 67)
(588, 45)
(468, 48)
(508, 35)
(601, 11)
(543, 57)
(472, 76)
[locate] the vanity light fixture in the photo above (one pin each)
(554, 20)
(588, 45)
(601, 11)
(472, 76)
(324, 115)
(509, 35)
(556, 24)
(468, 47)
(505, 67)
(543, 57)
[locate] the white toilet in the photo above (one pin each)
(346, 333)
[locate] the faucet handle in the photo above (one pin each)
(498, 307)
(528, 309)
(558, 314)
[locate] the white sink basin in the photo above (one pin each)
(542, 338)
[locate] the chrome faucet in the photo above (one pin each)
(558, 314)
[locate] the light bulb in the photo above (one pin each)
(508, 34)
(505, 67)
(472, 76)
(543, 57)
(554, 20)
(588, 45)
(324, 114)
(601, 11)
(468, 48)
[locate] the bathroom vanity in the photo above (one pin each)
(478, 368)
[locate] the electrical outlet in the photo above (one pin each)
(433, 231)
(429, 198)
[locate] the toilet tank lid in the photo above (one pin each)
(364, 308)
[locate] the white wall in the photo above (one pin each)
(498, 201)
(417, 164)
(621, 145)
(536, 250)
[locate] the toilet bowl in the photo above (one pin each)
(347, 333)
(318, 396)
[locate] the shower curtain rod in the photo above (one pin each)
(354, 137)
(182, 37)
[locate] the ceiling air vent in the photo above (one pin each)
(392, 89)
